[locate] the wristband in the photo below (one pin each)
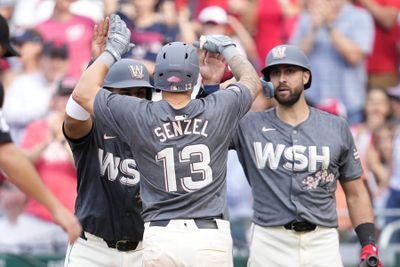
(230, 52)
(210, 88)
(75, 111)
(366, 233)
(107, 58)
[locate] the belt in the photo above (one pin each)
(120, 245)
(200, 223)
(300, 226)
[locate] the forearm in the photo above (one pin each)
(34, 153)
(246, 40)
(22, 173)
(385, 16)
(307, 44)
(289, 9)
(347, 48)
(91, 81)
(245, 73)
(359, 205)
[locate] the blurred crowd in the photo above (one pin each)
(353, 46)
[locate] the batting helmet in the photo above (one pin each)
(177, 67)
(126, 74)
(286, 54)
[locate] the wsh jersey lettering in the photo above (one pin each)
(296, 158)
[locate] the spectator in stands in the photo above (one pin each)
(376, 114)
(20, 232)
(337, 37)
(380, 163)
(149, 32)
(45, 145)
(27, 14)
(54, 62)
(27, 95)
(7, 8)
(393, 201)
(270, 21)
(18, 168)
(215, 20)
(74, 30)
(384, 61)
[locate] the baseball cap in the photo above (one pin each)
(66, 85)
(56, 50)
(394, 92)
(213, 14)
(5, 38)
(25, 36)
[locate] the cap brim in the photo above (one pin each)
(11, 51)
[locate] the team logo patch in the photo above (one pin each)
(322, 178)
(136, 71)
(279, 52)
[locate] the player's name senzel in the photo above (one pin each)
(173, 129)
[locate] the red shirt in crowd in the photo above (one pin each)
(54, 167)
(385, 55)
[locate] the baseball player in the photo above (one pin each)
(19, 169)
(107, 172)
(180, 145)
(293, 155)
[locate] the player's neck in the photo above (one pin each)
(177, 100)
(295, 114)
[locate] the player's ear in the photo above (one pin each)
(306, 76)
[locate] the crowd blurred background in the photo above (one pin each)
(353, 46)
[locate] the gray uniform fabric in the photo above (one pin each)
(293, 171)
(108, 203)
(181, 153)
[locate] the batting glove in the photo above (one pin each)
(118, 38)
(218, 44)
(369, 256)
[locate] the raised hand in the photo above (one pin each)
(118, 38)
(214, 43)
(68, 222)
(99, 39)
(212, 67)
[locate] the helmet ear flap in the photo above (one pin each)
(268, 87)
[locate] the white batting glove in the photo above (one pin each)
(118, 38)
(218, 44)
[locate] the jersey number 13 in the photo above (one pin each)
(201, 167)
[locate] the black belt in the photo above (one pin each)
(300, 226)
(120, 245)
(200, 223)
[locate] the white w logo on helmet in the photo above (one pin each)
(279, 52)
(136, 71)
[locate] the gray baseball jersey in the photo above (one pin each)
(181, 154)
(293, 170)
(108, 203)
